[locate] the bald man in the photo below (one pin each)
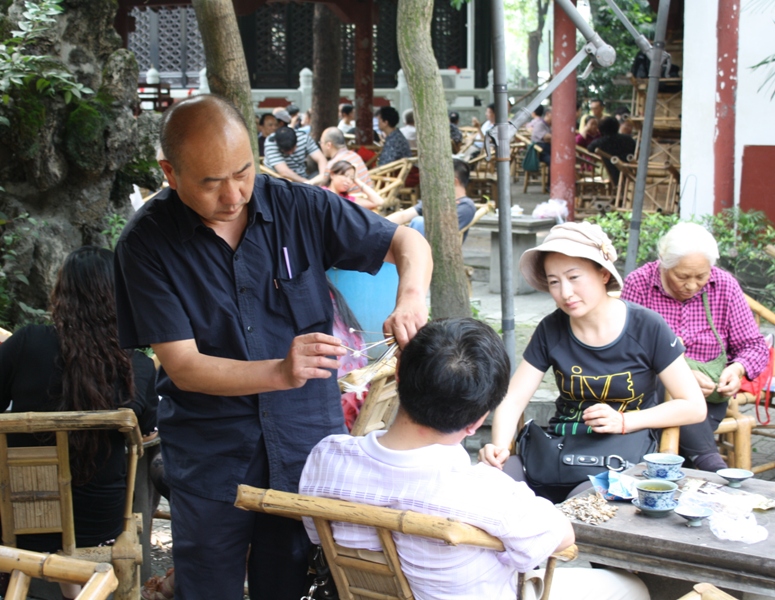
(223, 275)
(334, 148)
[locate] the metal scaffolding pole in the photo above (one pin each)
(645, 140)
(502, 156)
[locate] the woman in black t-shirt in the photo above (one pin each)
(607, 354)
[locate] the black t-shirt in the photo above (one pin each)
(624, 371)
(619, 145)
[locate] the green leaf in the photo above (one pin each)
(23, 279)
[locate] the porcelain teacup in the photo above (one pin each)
(660, 465)
(656, 494)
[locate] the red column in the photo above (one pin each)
(364, 74)
(727, 27)
(563, 171)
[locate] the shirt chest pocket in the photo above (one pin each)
(307, 300)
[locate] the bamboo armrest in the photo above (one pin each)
(386, 370)
(402, 521)
(4, 335)
(56, 567)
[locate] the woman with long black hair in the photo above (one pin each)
(77, 364)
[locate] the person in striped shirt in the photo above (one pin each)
(286, 151)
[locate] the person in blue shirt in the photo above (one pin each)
(223, 275)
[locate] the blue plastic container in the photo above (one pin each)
(371, 297)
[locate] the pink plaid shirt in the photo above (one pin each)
(732, 317)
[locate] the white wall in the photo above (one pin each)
(754, 111)
(755, 122)
(698, 122)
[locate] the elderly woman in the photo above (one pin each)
(706, 308)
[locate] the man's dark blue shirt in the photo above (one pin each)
(178, 280)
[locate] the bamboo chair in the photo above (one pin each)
(483, 180)
(388, 180)
(706, 591)
(742, 398)
(98, 579)
(36, 494)
(381, 403)
(594, 189)
(661, 193)
(364, 574)
(4, 335)
(481, 210)
(543, 170)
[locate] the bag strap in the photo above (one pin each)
(706, 304)
(767, 392)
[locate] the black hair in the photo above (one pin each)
(539, 111)
(342, 308)
(597, 100)
(263, 117)
(341, 167)
(491, 106)
(409, 116)
(452, 373)
(292, 109)
(454, 117)
(389, 115)
(608, 126)
(286, 138)
(462, 171)
(347, 109)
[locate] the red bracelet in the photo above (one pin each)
(623, 426)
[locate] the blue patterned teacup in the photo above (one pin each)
(656, 494)
(660, 465)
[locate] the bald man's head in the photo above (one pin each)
(192, 115)
(333, 135)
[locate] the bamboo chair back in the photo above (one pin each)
(483, 180)
(388, 180)
(364, 574)
(662, 189)
(481, 210)
(594, 191)
(381, 403)
(98, 579)
(36, 493)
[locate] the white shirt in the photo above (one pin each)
(345, 127)
(437, 480)
(410, 133)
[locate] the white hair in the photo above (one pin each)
(683, 239)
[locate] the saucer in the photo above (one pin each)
(681, 475)
(652, 512)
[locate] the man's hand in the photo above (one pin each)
(309, 358)
(730, 379)
(707, 385)
(493, 455)
(406, 319)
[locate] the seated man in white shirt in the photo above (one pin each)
(452, 373)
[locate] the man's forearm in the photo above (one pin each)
(411, 254)
(288, 173)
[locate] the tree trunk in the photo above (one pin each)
(326, 69)
(227, 71)
(449, 295)
(533, 45)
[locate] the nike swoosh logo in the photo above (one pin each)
(675, 341)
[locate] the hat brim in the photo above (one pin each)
(532, 269)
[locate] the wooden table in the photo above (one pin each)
(669, 548)
(523, 237)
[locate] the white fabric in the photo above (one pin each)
(410, 133)
(437, 480)
(587, 584)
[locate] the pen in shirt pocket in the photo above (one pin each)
(287, 262)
